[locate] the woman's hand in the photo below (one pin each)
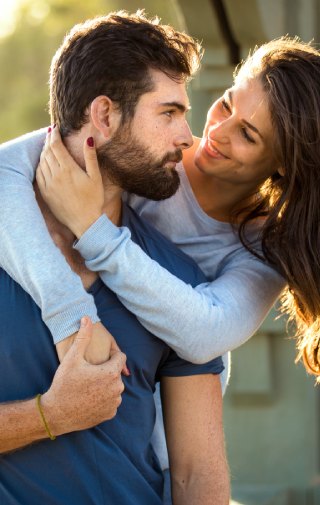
(75, 196)
(100, 348)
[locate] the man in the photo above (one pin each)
(114, 77)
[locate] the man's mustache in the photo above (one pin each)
(176, 157)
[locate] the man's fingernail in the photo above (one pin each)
(84, 322)
(90, 141)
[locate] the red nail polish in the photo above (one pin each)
(90, 141)
(54, 125)
(125, 371)
(49, 129)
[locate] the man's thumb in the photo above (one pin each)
(83, 336)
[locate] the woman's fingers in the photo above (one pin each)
(40, 179)
(59, 156)
(90, 158)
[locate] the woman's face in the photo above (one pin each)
(238, 140)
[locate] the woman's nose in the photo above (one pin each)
(219, 132)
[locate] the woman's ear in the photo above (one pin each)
(104, 116)
(281, 171)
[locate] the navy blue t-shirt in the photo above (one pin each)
(114, 462)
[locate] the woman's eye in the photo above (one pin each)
(246, 135)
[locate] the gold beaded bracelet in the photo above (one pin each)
(52, 437)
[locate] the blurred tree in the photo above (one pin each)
(25, 55)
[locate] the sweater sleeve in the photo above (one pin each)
(28, 253)
(198, 323)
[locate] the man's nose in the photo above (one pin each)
(184, 138)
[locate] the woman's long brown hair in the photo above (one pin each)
(289, 71)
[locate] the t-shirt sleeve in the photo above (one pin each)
(174, 366)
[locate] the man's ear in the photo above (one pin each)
(104, 116)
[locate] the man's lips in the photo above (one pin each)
(170, 164)
(172, 160)
(212, 151)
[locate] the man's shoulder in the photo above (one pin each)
(161, 249)
(27, 147)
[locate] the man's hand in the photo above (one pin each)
(83, 395)
(75, 196)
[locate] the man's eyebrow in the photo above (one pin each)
(249, 125)
(177, 105)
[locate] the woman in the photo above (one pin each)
(256, 167)
(289, 72)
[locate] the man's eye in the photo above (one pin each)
(225, 105)
(169, 113)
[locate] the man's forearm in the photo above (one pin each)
(81, 396)
(205, 488)
(194, 431)
(20, 425)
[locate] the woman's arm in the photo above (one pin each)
(27, 251)
(198, 323)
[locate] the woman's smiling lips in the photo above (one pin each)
(212, 151)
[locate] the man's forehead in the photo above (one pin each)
(168, 91)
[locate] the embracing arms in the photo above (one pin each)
(81, 396)
(198, 323)
(32, 259)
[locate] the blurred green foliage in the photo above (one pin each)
(25, 55)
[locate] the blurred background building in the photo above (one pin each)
(272, 414)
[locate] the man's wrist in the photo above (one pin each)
(52, 416)
(43, 418)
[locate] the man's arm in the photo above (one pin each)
(81, 395)
(193, 423)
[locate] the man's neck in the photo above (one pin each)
(112, 201)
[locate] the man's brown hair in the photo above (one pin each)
(112, 55)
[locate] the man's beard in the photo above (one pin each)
(132, 167)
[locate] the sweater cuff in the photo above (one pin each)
(64, 324)
(102, 234)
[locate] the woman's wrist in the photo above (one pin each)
(79, 227)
